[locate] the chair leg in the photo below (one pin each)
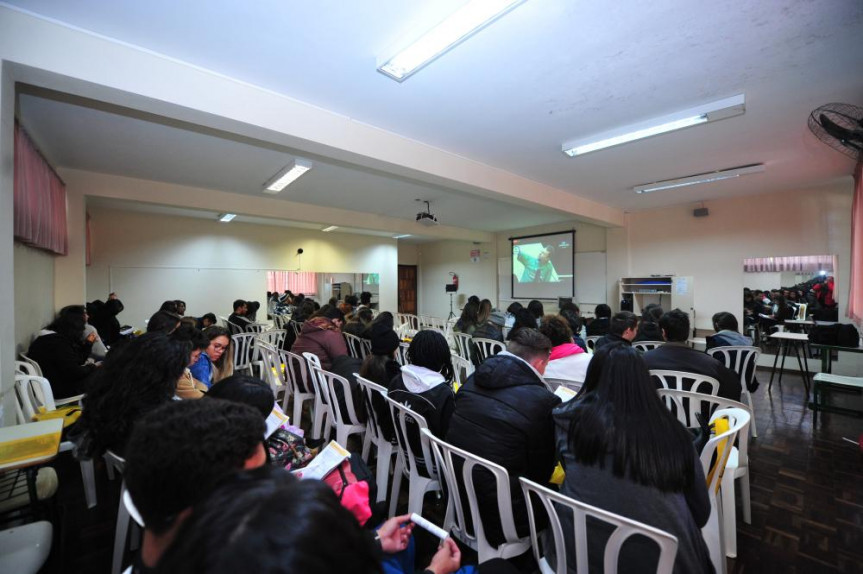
(318, 420)
(367, 446)
(89, 479)
(342, 435)
(729, 514)
(417, 493)
(110, 468)
(382, 470)
(752, 431)
(744, 497)
(123, 520)
(398, 476)
(298, 410)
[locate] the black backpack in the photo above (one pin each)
(824, 335)
(847, 335)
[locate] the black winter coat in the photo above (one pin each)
(503, 414)
(62, 363)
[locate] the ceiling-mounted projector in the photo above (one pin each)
(426, 217)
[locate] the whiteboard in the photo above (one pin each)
(591, 285)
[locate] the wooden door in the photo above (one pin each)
(408, 289)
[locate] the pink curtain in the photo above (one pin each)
(855, 291)
(305, 282)
(801, 264)
(40, 199)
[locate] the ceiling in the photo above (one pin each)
(548, 72)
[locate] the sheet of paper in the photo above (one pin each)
(565, 393)
(321, 465)
(276, 419)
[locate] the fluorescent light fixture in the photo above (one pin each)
(718, 110)
(456, 28)
(286, 176)
(226, 217)
(330, 228)
(401, 236)
(709, 177)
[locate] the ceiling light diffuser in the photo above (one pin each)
(286, 176)
(456, 28)
(330, 228)
(718, 110)
(709, 177)
(401, 236)
(226, 217)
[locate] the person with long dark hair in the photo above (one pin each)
(468, 321)
(217, 360)
(648, 328)
(619, 443)
(524, 319)
(135, 379)
(62, 350)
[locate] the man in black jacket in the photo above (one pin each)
(621, 330)
(676, 355)
(503, 414)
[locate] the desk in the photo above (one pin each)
(786, 340)
(693, 341)
(827, 354)
(28, 446)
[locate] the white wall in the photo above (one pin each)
(34, 293)
(437, 260)
(148, 258)
(7, 285)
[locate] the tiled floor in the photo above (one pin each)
(807, 496)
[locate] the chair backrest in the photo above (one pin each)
(296, 372)
(553, 502)
(233, 328)
(31, 393)
(373, 426)
(683, 381)
(461, 487)
(591, 342)
(296, 327)
(243, 351)
(463, 345)
(330, 382)
(26, 368)
(408, 430)
(255, 328)
(684, 404)
(274, 337)
(485, 348)
(720, 445)
(741, 359)
(33, 364)
(463, 368)
(402, 354)
(318, 385)
(645, 346)
(356, 348)
(272, 374)
(115, 460)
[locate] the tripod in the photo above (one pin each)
(451, 314)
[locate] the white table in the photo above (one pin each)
(797, 340)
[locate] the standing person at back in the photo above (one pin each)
(503, 414)
(677, 355)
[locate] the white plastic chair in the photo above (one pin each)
(460, 486)
(32, 392)
(463, 344)
(297, 379)
(485, 348)
(274, 337)
(24, 549)
(624, 529)
(346, 421)
(683, 381)
(645, 346)
(356, 349)
(124, 518)
(243, 352)
(322, 408)
(743, 360)
(591, 342)
(375, 435)
(26, 368)
(463, 368)
(33, 364)
(554, 383)
(685, 405)
(402, 354)
(272, 372)
(420, 480)
(296, 327)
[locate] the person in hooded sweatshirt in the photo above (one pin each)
(727, 334)
(425, 385)
(567, 361)
(321, 335)
(503, 414)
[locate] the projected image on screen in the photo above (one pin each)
(542, 266)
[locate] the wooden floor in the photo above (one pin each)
(807, 496)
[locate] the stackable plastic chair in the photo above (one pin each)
(591, 342)
(645, 346)
(243, 352)
(460, 487)
(124, 517)
(271, 368)
(37, 369)
(323, 411)
(743, 360)
(624, 528)
(463, 345)
(356, 348)
(420, 479)
(463, 368)
(485, 348)
(402, 354)
(299, 385)
(345, 420)
(24, 549)
(683, 381)
(375, 436)
(686, 404)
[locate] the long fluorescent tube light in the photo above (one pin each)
(718, 110)
(401, 236)
(330, 228)
(456, 28)
(226, 217)
(709, 177)
(286, 176)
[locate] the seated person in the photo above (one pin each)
(207, 320)
(677, 355)
(567, 361)
(104, 319)
(237, 318)
(61, 350)
(321, 336)
(251, 311)
(727, 335)
(524, 319)
(181, 307)
(602, 318)
(467, 322)
(349, 306)
(365, 300)
(576, 324)
(217, 360)
(618, 407)
(491, 328)
(621, 329)
(359, 323)
(163, 322)
(135, 379)
(503, 414)
(188, 387)
(536, 308)
(177, 454)
(513, 308)
(648, 329)
(170, 307)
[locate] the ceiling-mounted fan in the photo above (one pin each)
(840, 126)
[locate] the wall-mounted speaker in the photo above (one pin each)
(700, 212)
